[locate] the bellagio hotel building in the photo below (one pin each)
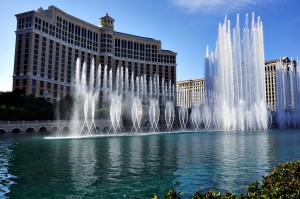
(48, 42)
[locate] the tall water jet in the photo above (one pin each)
(196, 117)
(169, 115)
(183, 117)
(136, 114)
(183, 110)
(86, 94)
(116, 88)
(287, 109)
(115, 94)
(115, 112)
(154, 113)
(236, 78)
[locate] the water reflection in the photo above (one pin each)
(6, 154)
(140, 166)
(83, 161)
(284, 146)
(191, 163)
(136, 161)
(151, 153)
(114, 153)
(221, 161)
(239, 156)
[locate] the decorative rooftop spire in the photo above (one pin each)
(106, 22)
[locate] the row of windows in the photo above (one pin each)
(75, 34)
(22, 53)
(44, 86)
(69, 32)
(59, 67)
(131, 45)
(82, 37)
(141, 51)
(24, 23)
(53, 60)
(106, 43)
(44, 26)
(85, 38)
(272, 68)
(48, 88)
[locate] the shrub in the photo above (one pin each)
(172, 195)
(282, 182)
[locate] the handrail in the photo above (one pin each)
(35, 122)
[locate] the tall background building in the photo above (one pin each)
(190, 92)
(285, 64)
(48, 42)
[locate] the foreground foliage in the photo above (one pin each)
(282, 182)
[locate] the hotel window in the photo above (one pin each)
(129, 74)
(33, 91)
(160, 58)
(147, 72)
(82, 57)
(135, 70)
(41, 84)
(68, 90)
(141, 69)
(154, 71)
(142, 49)
(34, 82)
(160, 70)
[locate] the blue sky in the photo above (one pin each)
(183, 26)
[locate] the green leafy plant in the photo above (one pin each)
(282, 182)
(172, 195)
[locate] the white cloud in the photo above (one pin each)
(217, 5)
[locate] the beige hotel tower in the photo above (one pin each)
(48, 42)
(190, 92)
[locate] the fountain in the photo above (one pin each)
(85, 93)
(154, 113)
(183, 117)
(196, 117)
(136, 114)
(183, 111)
(235, 79)
(287, 110)
(115, 112)
(169, 115)
(117, 91)
(234, 96)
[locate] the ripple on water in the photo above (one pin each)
(6, 179)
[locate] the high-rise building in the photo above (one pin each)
(288, 81)
(190, 92)
(48, 42)
(270, 71)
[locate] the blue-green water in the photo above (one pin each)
(139, 166)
